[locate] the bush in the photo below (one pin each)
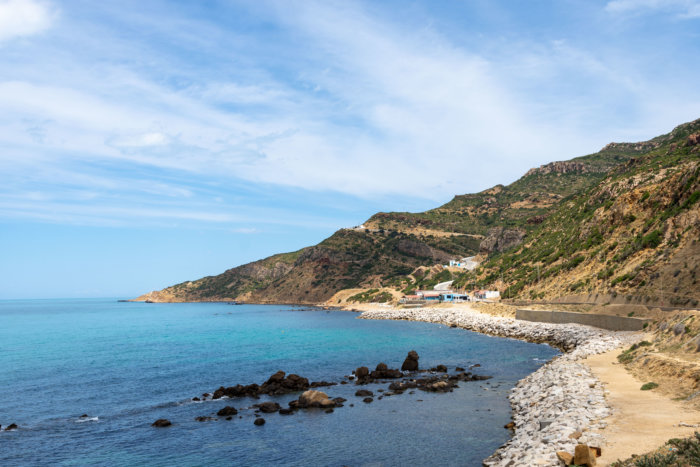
(652, 240)
(656, 460)
(649, 386)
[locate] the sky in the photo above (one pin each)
(143, 144)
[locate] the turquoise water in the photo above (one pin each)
(128, 364)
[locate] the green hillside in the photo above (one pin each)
(555, 231)
(634, 233)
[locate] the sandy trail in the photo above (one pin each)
(642, 420)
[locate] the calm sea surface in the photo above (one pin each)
(128, 364)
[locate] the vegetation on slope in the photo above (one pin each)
(620, 220)
(635, 232)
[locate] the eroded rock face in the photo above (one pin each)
(499, 239)
(415, 249)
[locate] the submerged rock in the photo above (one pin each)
(161, 423)
(259, 421)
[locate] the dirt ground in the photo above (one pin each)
(642, 420)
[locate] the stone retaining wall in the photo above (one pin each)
(612, 323)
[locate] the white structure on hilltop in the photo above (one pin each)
(465, 263)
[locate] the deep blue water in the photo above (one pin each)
(129, 364)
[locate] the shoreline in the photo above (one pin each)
(555, 408)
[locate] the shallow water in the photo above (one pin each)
(128, 364)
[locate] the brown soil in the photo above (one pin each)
(642, 420)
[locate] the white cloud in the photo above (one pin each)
(683, 8)
(19, 18)
(365, 106)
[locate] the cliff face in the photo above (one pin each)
(585, 225)
(500, 239)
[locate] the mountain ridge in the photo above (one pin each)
(399, 249)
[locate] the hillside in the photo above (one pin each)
(539, 222)
(635, 233)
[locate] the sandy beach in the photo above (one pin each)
(585, 390)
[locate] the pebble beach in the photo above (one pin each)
(556, 407)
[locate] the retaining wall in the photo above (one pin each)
(612, 323)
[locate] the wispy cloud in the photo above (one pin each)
(682, 8)
(334, 97)
(20, 18)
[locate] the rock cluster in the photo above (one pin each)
(364, 376)
(278, 384)
(553, 403)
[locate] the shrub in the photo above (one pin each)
(649, 386)
(656, 460)
(652, 239)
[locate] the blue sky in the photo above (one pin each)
(148, 143)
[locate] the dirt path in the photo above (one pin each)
(642, 420)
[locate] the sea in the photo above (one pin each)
(124, 365)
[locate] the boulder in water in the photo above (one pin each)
(411, 362)
(161, 423)
(227, 411)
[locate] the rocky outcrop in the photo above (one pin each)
(641, 146)
(559, 168)
(384, 372)
(276, 385)
(411, 362)
(364, 376)
(499, 239)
